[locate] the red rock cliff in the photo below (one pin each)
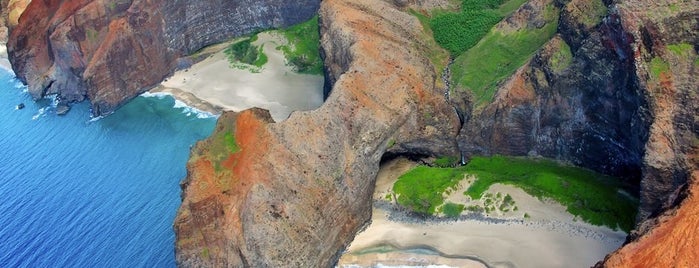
(110, 51)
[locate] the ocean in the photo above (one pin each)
(76, 192)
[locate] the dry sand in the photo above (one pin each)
(276, 87)
(550, 238)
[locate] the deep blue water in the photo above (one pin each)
(101, 193)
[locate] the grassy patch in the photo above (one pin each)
(562, 58)
(438, 56)
(231, 144)
(452, 210)
(246, 53)
(593, 197)
(304, 52)
(658, 66)
(421, 189)
(497, 56)
(459, 31)
(681, 49)
(593, 13)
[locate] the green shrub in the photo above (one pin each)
(243, 51)
(452, 210)
(304, 52)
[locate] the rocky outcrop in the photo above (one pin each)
(110, 51)
(294, 193)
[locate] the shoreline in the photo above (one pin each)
(214, 85)
(550, 238)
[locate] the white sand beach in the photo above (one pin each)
(549, 238)
(276, 87)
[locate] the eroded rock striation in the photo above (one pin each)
(110, 51)
(294, 193)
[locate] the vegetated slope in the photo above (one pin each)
(294, 193)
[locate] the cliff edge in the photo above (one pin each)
(294, 193)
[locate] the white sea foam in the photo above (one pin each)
(40, 113)
(186, 109)
(159, 95)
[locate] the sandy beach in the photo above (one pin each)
(213, 85)
(550, 237)
(4, 62)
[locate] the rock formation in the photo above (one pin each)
(110, 51)
(294, 193)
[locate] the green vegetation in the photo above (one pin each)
(438, 56)
(231, 144)
(245, 52)
(498, 55)
(445, 161)
(452, 210)
(593, 13)
(304, 51)
(658, 66)
(562, 58)
(459, 31)
(421, 189)
(595, 198)
(205, 253)
(391, 143)
(681, 49)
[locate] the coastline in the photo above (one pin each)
(4, 61)
(550, 238)
(213, 85)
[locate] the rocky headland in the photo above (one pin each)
(108, 52)
(259, 193)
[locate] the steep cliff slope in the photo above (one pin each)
(596, 96)
(110, 51)
(617, 94)
(294, 193)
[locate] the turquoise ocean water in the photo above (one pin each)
(76, 192)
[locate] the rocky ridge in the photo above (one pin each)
(110, 51)
(294, 193)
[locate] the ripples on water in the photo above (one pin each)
(76, 192)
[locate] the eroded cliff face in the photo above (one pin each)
(625, 104)
(604, 108)
(110, 51)
(584, 109)
(666, 67)
(296, 192)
